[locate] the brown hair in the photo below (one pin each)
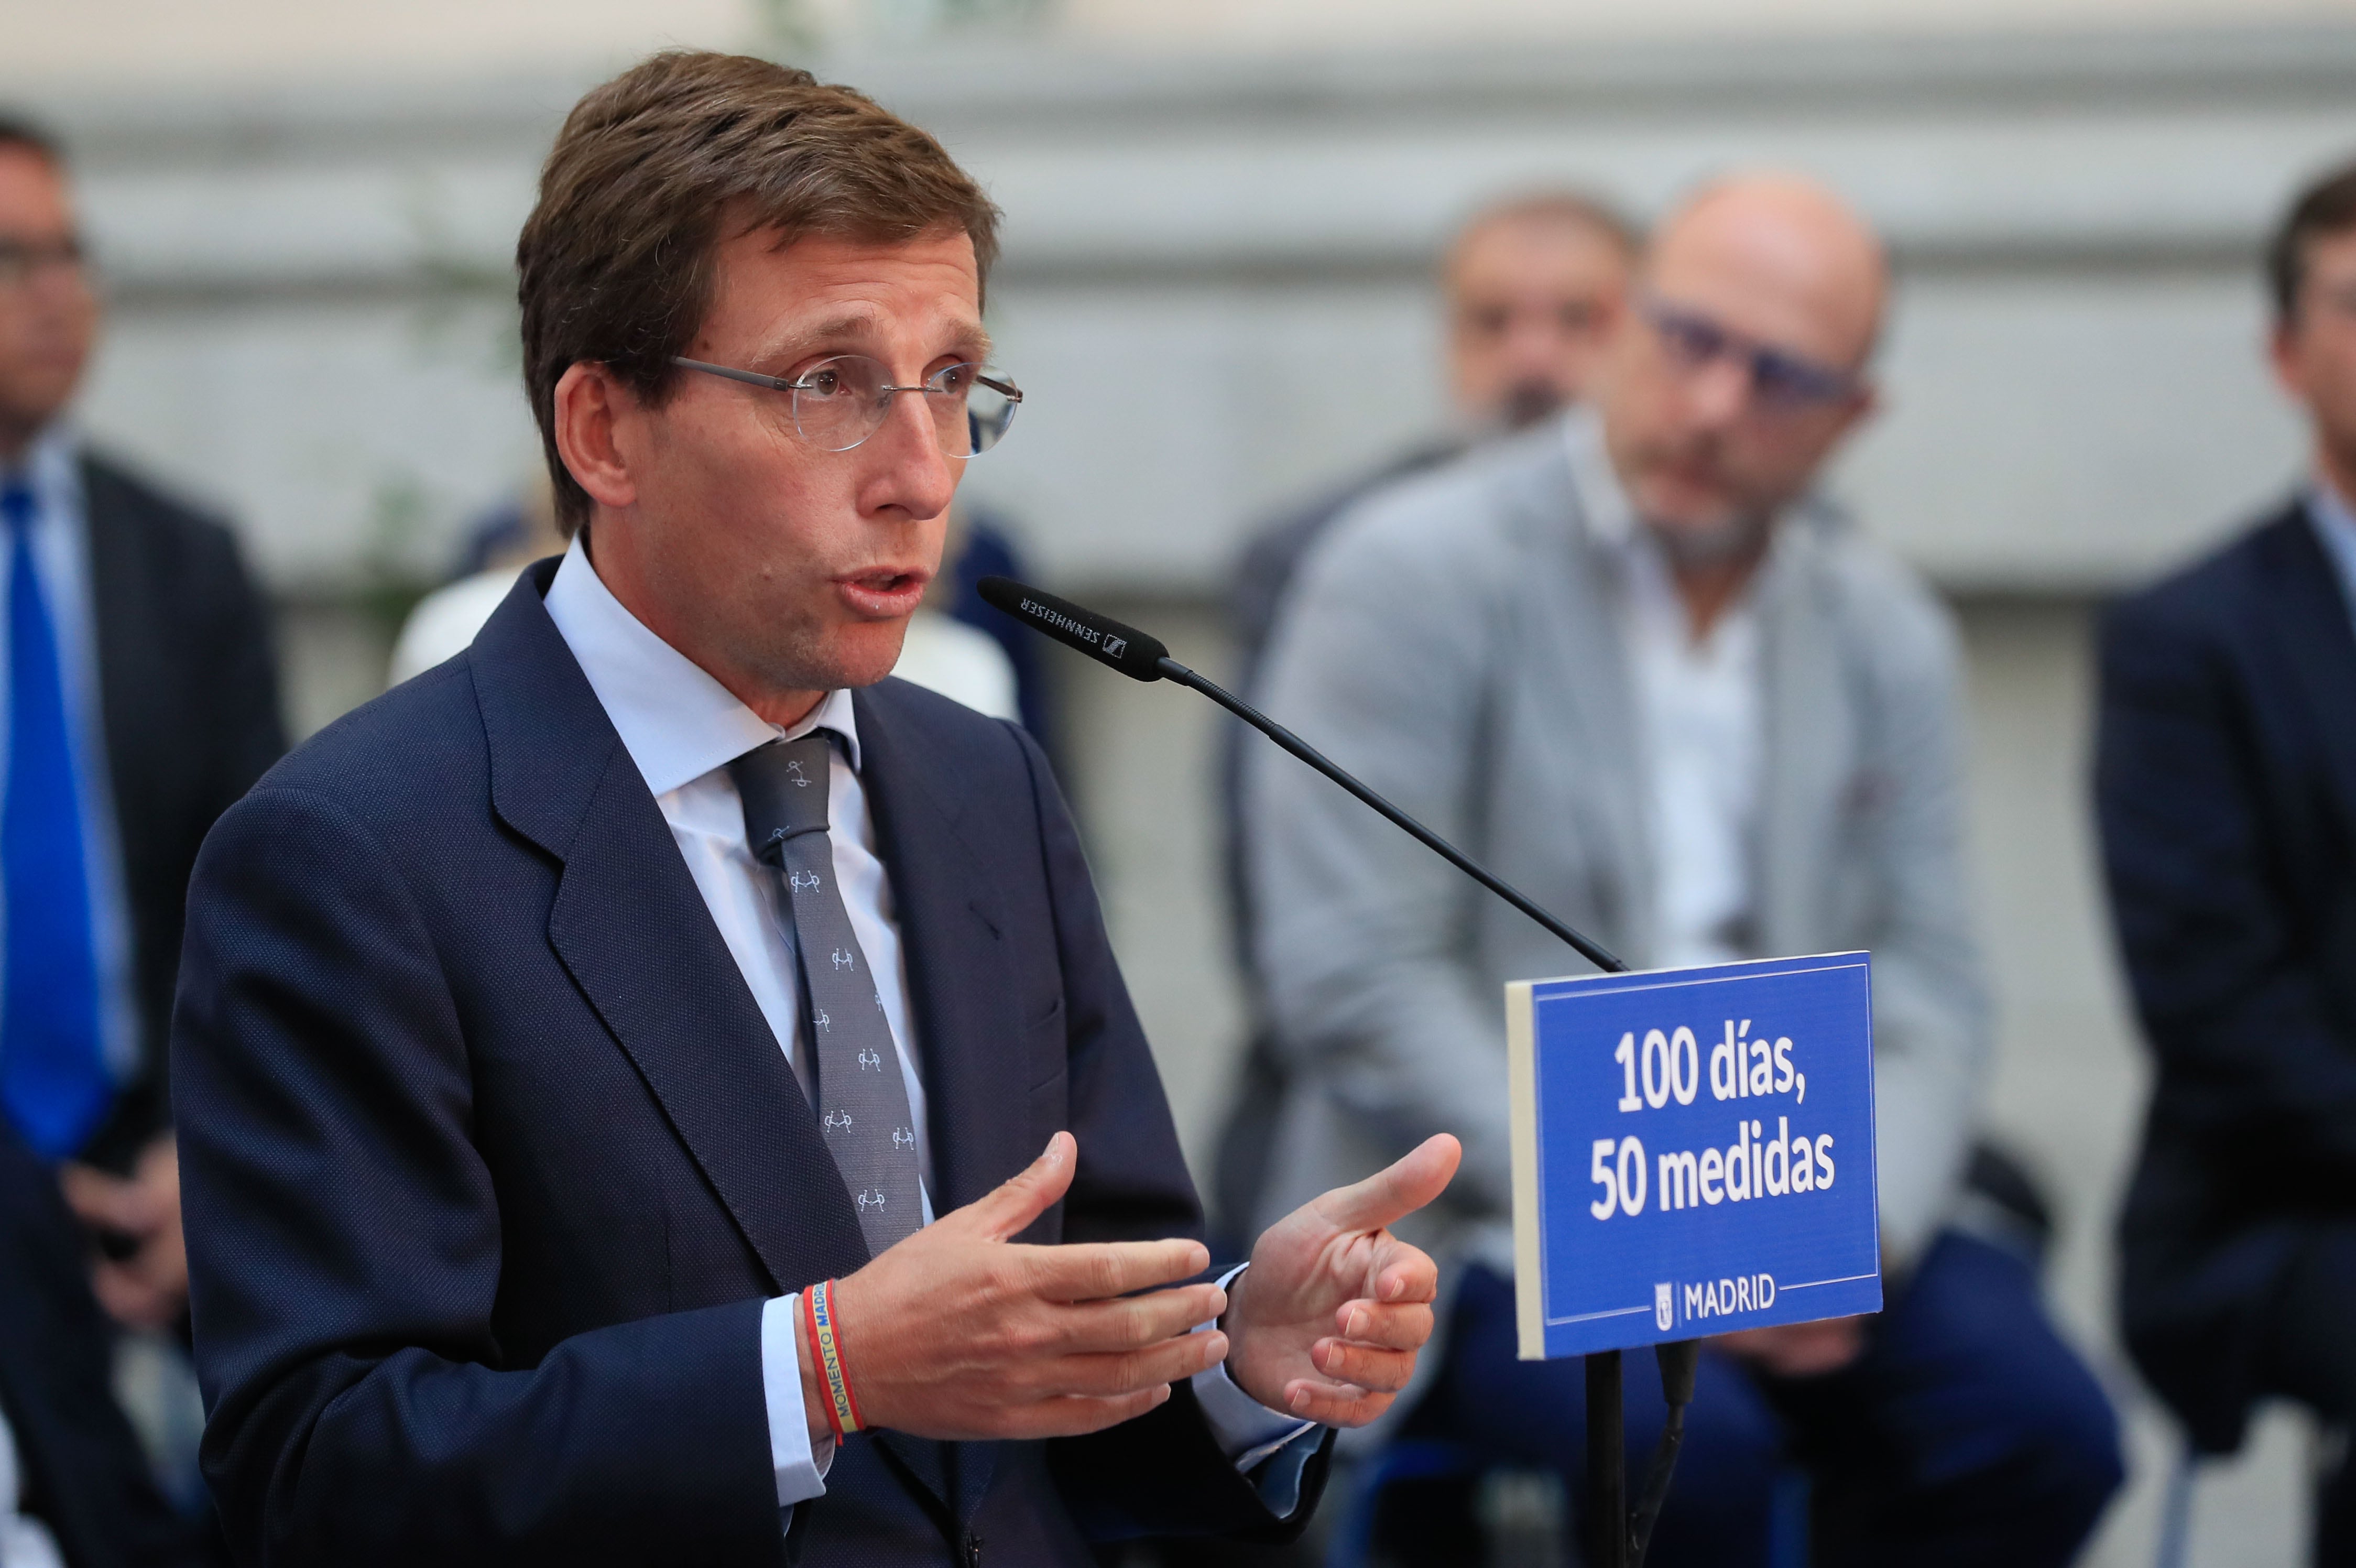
(614, 264)
(2328, 207)
(17, 130)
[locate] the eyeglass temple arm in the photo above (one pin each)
(1006, 390)
(750, 378)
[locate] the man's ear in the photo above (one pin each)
(591, 401)
(2282, 354)
(1863, 404)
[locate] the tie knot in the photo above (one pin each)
(784, 788)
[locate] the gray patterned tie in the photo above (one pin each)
(862, 1103)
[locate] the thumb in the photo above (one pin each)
(1023, 1197)
(1395, 1191)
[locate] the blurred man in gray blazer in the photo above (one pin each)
(1631, 661)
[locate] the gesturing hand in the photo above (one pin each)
(1328, 1322)
(957, 1332)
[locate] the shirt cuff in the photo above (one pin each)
(801, 1475)
(1251, 1435)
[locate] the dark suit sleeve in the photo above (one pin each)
(2228, 992)
(1161, 1473)
(252, 732)
(344, 1245)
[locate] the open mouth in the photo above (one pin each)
(884, 593)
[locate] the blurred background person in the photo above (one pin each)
(1533, 286)
(498, 546)
(2225, 783)
(141, 700)
(75, 1488)
(1698, 714)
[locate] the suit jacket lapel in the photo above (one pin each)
(2318, 632)
(1581, 631)
(638, 939)
(1808, 745)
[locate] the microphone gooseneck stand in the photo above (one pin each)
(1618, 1538)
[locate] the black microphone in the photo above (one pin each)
(1142, 657)
(1101, 637)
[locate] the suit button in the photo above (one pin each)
(974, 1552)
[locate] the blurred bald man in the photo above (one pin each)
(1633, 657)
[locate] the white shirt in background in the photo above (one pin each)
(24, 1543)
(1700, 718)
(962, 662)
(443, 623)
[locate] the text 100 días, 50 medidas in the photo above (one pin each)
(1667, 1066)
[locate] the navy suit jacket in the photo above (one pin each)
(491, 1159)
(2226, 784)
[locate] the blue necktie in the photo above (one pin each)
(54, 1084)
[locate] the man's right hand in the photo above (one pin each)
(956, 1333)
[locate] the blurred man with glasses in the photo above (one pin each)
(2225, 783)
(1637, 662)
(138, 698)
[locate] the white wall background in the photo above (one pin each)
(1220, 223)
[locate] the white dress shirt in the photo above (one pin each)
(61, 544)
(25, 1542)
(1700, 715)
(682, 728)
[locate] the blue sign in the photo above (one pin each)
(1693, 1152)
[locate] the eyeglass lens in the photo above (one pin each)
(842, 402)
(20, 259)
(1783, 379)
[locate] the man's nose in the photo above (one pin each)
(921, 478)
(1718, 393)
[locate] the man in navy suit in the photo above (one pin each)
(2227, 781)
(614, 1066)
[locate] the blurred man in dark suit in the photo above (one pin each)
(74, 1485)
(140, 701)
(2226, 784)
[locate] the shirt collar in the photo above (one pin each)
(51, 466)
(2336, 521)
(676, 723)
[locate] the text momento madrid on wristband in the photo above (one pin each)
(842, 1411)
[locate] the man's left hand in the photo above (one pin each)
(1326, 1324)
(149, 1287)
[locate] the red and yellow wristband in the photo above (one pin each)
(842, 1411)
